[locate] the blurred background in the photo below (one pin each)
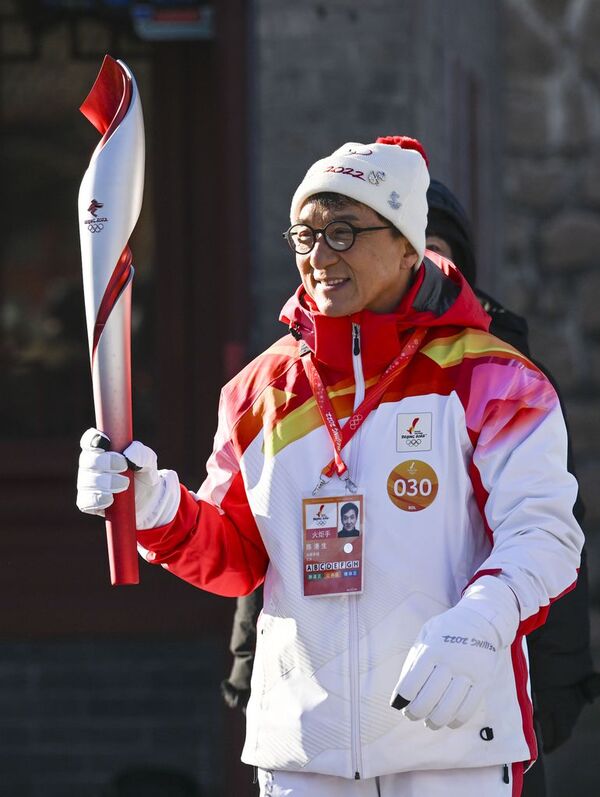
(101, 687)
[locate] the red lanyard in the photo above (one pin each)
(341, 436)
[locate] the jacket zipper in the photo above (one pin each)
(359, 382)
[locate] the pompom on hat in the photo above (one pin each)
(390, 176)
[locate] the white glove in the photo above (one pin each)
(454, 658)
(99, 480)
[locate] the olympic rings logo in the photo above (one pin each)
(356, 421)
(95, 226)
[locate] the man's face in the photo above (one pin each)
(439, 245)
(349, 520)
(373, 274)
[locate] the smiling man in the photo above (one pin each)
(349, 515)
(392, 666)
(344, 279)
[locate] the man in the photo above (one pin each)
(408, 677)
(562, 675)
(349, 515)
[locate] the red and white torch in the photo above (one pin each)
(110, 199)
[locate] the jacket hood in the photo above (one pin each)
(439, 297)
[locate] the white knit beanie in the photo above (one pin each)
(389, 176)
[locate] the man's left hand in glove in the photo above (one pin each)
(453, 660)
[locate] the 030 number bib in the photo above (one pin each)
(333, 543)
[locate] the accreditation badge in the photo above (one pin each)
(333, 531)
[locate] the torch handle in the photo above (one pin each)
(121, 537)
(111, 376)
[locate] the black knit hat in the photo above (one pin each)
(447, 220)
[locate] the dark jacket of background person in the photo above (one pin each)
(562, 674)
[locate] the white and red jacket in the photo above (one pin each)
(493, 434)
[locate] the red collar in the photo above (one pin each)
(378, 340)
(439, 296)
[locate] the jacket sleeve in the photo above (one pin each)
(523, 487)
(213, 541)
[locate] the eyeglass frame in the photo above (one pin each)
(355, 231)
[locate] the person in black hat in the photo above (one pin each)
(449, 233)
(562, 673)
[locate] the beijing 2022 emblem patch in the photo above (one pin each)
(413, 431)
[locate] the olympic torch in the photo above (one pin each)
(110, 199)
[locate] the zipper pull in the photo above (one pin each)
(505, 777)
(295, 331)
(355, 340)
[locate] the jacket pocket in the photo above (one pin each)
(276, 657)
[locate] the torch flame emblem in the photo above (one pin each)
(94, 206)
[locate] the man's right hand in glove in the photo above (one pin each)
(100, 478)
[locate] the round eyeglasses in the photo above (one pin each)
(339, 235)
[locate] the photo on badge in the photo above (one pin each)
(349, 520)
(333, 533)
